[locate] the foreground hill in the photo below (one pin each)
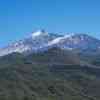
(51, 75)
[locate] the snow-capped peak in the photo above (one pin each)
(59, 39)
(55, 41)
(38, 33)
(41, 40)
(68, 35)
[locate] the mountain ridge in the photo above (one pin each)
(42, 40)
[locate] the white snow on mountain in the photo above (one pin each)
(55, 41)
(41, 40)
(59, 39)
(68, 35)
(39, 33)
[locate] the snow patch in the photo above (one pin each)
(59, 39)
(39, 33)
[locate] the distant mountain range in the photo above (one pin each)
(41, 41)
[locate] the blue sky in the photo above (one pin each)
(20, 17)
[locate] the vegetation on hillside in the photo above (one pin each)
(34, 77)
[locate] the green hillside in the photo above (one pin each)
(38, 77)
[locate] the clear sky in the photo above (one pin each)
(20, 17)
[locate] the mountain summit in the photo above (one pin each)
(39, 33)
(42, 40)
